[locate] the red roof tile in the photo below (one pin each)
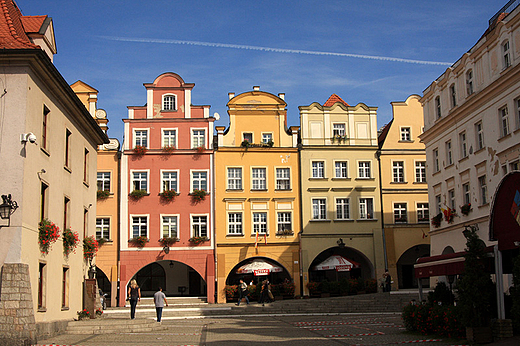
(32, 24)
(12, 33)
(334, 99)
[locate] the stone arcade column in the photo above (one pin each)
(17, 324)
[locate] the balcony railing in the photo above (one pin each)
(508, 8)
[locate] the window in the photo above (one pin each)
(248, 136)
(517, 113)
(139, 226)
(169, 181)
(235, 223)
(469, 82)
(338, 130)
(342, 208)
(42, 284)
(67, 148)
(438, 204)
(199, 226)
(140, 180)
(504, 121)
(267, 137)
(169, 226)
(259, 179)
(103, 181)
(451, 199)
(169, 103)
(505, 54)
(423, 213)
(364, 169)
(318, 169)
(513, 166)
(284, 223)
(400, 215)
(141, 138)
(406, 134)
(199, 181)
(398, 171)
(45, 121)
(198, 138)
(463, 145)
(453, 96)
(366, 208)
(466, 195)
(449, 157)
(340, 169)
(169, 138)
(85, 222)
(420, 172)
(85, 166)
(436, 165)
(483, 190)
(234, 178)
(319, 211)
(103, 228)
(66, 212)
(259, 223)
(479, 132)
(283, 179)
(438, 107)
(65, 288)
(43, 200)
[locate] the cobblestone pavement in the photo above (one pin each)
(294, 330)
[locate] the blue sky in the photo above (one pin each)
(116, 46)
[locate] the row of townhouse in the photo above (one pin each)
(259, 198)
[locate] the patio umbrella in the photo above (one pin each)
(337, 263)
(259, 267)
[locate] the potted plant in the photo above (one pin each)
(99, 313)
(314, 288)
(137, 194)
(83, 315)
(198, 195)
(48, 233)
(168, 195)
(168, 241)
(231, 292)
(138, 241)
(168, 149)
(90, 248)
(70, 241)
(465, 209)
(436, 220)
(103, 194)
(197, 240)
(140, 150)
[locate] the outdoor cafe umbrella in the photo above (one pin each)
(259, 267)
(337, 263)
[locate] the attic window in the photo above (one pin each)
(169, 102)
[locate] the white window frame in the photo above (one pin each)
(438, 205)
(198, 140)
(173, 227)
(479, 134)
(198, 181)
(318, 172)
(466, 192)
(420, 171)
(139, 224)
(234, 182)
(451, 199)
(258, 182)
(104, 180)
(167, 140)
(138, 138)
(341, 167)
(406, 134)
(438, 107)
(342, 208)
(140, 179)
(199, 224)
(319, 208)
(463, 140)
(284, 223)
(482, 185)
(469, 82)
(400, 212)
(339, 129)
(504, 121)
(165, 102)
(398, 171)
(423, 212)
(103, 228)
(366, 211)
(169, 180)
(364, 169)
(259, 220)
(235, 222)
(436, 165)
(248, 136)
(506, 55)
(453, 95)
(283, 180)
(267, 137)
(449, 153)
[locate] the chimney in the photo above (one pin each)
(256, 88)
(282, 96)
(231, 95)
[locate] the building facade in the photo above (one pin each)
(166, 176)
(404, 192)
(48, 150)
(257, 193)
(341, 208)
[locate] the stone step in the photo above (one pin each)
(148, 301)
(109, 326)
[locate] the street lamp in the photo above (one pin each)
(340, 243)
(7, 207)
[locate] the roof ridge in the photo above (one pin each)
(333, 99)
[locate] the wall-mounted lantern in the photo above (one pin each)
(7, 207)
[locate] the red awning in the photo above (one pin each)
(441, 265)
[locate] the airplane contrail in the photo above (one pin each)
(270, 49)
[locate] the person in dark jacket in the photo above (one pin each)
(134, 294)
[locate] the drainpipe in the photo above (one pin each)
(299, 146)
(118, 245)
(378, 155)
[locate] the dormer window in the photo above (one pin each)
(169, 102)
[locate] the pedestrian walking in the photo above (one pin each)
(264, 294)
(243, 292)
(134, 294)
(159, 299)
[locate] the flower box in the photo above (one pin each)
(198, 195)
(138, 241)
(168, 195)
(140, 150)
(168, 149)
(200, 149)
(465, 209)
(103, 194)
(167, 241)
(436, 220)
(197, 240)
(138, 194)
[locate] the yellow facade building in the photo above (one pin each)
(341, 206)
(406, 218)
(257, 217)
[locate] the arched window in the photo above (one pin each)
(169, 102)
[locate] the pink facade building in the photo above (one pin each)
(166, 186)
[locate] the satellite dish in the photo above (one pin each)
(216, 116)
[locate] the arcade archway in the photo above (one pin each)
(254, 270)
(360, 266)
(405, 270)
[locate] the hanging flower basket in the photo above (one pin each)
(168, 195)
(465, 209)
(138, 241)
(137, 194)
(168, 149)
(167, 241)
(436, 220)
(70, 241)
(198, 195)
(103, 194)
(48, 233)
(197, 240)
(140, 150)
(90, 248)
